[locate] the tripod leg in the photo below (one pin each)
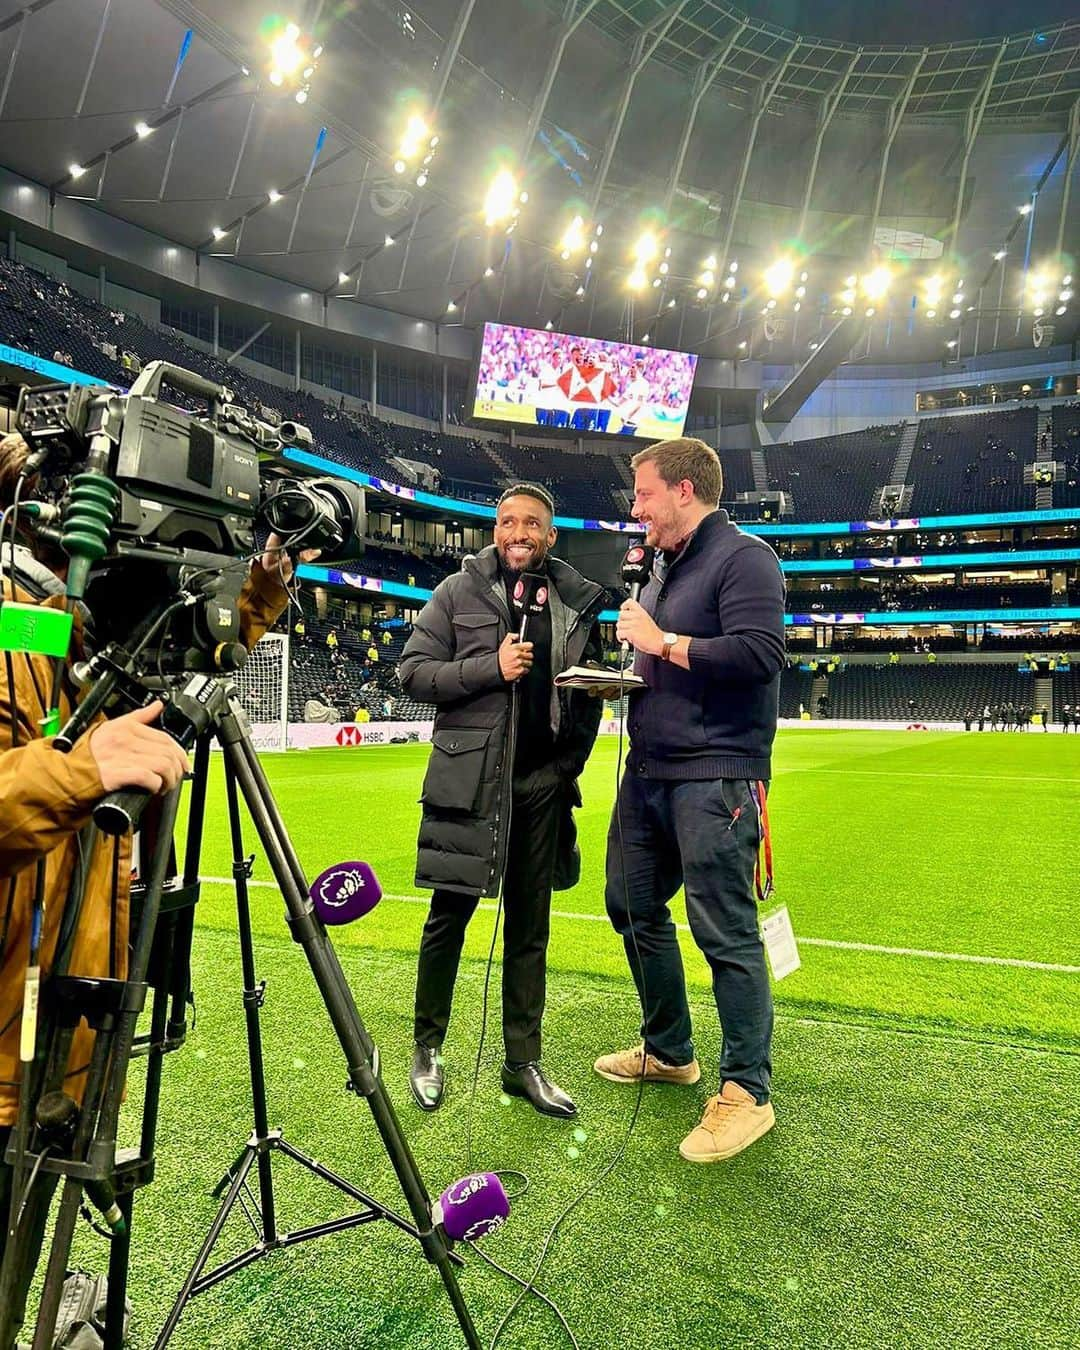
(360, 1052)
(119, 1256)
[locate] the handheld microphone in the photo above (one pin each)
(530, 597)
(636, 570)
(344, 892)
(472, 1207)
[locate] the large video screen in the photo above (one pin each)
(582, 385)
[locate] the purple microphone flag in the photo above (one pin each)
(472, 1207)
(345, 892)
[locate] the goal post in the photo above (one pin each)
(262, 684)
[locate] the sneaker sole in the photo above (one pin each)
(649, 1078)
(763, 1128)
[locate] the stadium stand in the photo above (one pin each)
(1065, 446)
(909, 693)
(974, 462)
(834, 478)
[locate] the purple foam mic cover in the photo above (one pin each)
(345, 892)
(472, 1207)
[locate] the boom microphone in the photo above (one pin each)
(636, 570)
(345, 892)
(530, 597)
(472, 1207)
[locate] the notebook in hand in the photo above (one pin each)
(597, 677)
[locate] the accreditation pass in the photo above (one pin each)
(780, 945)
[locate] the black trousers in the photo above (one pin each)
(530, 865)
(37, 1211)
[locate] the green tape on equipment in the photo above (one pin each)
(50, 724)
(33, 628)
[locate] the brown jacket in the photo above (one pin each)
(45, 799)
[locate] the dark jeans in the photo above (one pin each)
(530, 863)
(688, 833)
(33, 1234)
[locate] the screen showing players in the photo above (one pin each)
(581, 385)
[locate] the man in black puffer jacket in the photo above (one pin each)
(501, 781)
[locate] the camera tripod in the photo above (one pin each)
(86, 1155)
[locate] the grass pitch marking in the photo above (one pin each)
(836, 944)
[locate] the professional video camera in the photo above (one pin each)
(157, 512)
(149, 501)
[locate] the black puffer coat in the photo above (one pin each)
(452, 660)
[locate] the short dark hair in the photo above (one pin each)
(533, 490)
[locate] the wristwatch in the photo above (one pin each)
(670, 640)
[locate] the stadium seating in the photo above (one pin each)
(1065, 440)
(974, 462)
(834, 478)
(910, 594)
(918, 693)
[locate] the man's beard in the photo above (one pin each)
(535, 562)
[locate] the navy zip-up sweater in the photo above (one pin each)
(724, 591)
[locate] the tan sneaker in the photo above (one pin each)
(624, 1066)
(732, 1121)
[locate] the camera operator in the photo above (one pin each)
(709, 636)
(498, 793)
(46, 798)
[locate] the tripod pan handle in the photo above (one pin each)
(120, 811)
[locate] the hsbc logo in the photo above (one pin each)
(541, 595)
(519, 589)
(349, 736)
(636, 554)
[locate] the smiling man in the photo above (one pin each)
(709, 636)
(507, 750)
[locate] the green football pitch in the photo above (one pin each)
(921, 1187)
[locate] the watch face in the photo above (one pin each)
(671, 638)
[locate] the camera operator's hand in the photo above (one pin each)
(130, 753)
(277, 562)
(515, 658)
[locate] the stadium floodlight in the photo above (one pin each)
(644, 337)
(671, 304)
(729, 281)
(389, 241)
(573, 237)
(451, 306)
(702, 293)
(707, 278)
(489, 271)
(273, 196)
(733, 266)
(286, 54)
(549, 325)
(848, 296)
(646, 248)
(725, 297)
(342, 278)
(850, 281)
(1067, 280)
(742, 345)
(846, 311)
(931, 313)
(301, 95)
(1001, 253)
(663, 269)
(875, 284)
(804, 276)
(797, 306)
(1060, 310)
(1025, 210)
(710, 263)
(501, 198)
(954, 313)
(218, 232)
(800, 291)
(958, 298)
(870, 312)
(76, 170)
(399, 166)
(778, 276)
(142, 130)
(421, 179)
(580, 291)
(637, 279)
(657, 281)
(951, 343)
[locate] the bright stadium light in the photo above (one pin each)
(931, 313)
(954, 313)
(489, 271)
(671, 304)
(951, 343)
(549, 325)
(710, 263)
(778, 276)
(702, 293)
(301, 95)
(637, 279)
(501, 198)
(708, 277)
(1025, 210)
(646, 248)
(286, 54)
(573, 237)
(451, 307)
(421, 179)
(875, 285)
(733, 266)
(342, 278)
(664, 268)
(657, 282)
(1060, 310)
(142, 130)
(273, 196)
(644, 337)
(218, 232)
(1066, 294)
(1001, 253)
(848, 296)
(76, 170)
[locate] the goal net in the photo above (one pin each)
(262, 684)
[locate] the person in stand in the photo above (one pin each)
(507, 750)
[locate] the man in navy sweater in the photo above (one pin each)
(709, 640)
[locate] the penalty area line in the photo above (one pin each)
(835, 944)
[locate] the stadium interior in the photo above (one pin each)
(862, 222)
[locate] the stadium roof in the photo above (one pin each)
(1032, 73)
(765, 140)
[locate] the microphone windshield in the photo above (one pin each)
(472, 1207)
(530, 593)
(345, 892)
(637, 565)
